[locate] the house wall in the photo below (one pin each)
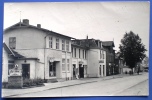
(31, 43)
(39, 70)
(57, 55)
(103, 58)
(32, 67)
(5, 59)
(77, 59)
(26, 38)
(93, 63)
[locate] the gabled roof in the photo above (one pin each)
(21, 24)
(8, 50)
(12, 52)
(16, 54)
(108, 43)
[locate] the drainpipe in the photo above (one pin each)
(44, 53)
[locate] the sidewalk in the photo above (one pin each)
(48, 86)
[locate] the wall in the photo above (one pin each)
(93, 63)
(103, 70)
(39, 70)
(26, 38)
(5, 66)
(60, 42)
(32, 66)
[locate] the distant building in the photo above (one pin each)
(110, 56)
(93, 60)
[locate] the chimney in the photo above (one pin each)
(38, 25)
(26, 21)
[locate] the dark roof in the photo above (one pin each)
(108, 43)
(21, 24)
(86, 43)
(17, 55)
(9, 51)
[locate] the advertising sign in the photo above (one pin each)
(15, 71)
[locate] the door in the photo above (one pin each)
(100, 70)
(81, 71)
(52, 69)
(74, 71)
(26, 71)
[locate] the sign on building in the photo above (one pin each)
(15, 71)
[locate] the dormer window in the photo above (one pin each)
(12, 42)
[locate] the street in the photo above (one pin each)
(128, 86)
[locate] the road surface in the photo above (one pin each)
(128, 86)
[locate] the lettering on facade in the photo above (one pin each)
(101, 61)
(80, 62)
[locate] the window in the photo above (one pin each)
(68, 65)
(12, 42)
(57, 43)
(72, 52)
(83, 53)
(10, 65)
(100, 54)
(67, 45)
(63, 64)
(50, 42)
(75, 52)
(103, 55)
(63, 44)
(79, 53)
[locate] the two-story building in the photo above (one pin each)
(93, 60)
(45, 54)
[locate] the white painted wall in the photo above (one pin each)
(32, 67)
(93, 63)
(5, 66)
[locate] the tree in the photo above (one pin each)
(132, 50)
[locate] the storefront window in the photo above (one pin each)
(52, 69)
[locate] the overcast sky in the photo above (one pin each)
(106, 21)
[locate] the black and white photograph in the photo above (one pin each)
(66, 49)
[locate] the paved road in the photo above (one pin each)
(132, 85)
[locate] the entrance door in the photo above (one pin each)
(52, 69)
(100, 70)
(74, 71)
(26, 71)
(81, 71)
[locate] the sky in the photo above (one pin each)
(106, 21)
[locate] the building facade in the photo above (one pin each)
(41, 53)
(110, 56)
(46, 54)
(92, 63)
